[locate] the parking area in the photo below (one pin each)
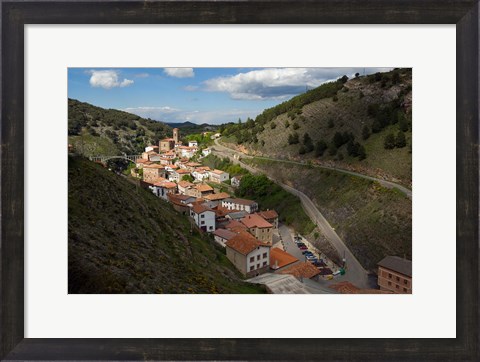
(300, 248)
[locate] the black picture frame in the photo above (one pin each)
(15, 14)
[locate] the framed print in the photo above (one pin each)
(89, 61)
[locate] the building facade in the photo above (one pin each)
(395, 275)
(248, 255)
(240, 205)
(204, 218)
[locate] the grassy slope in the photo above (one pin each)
(112, 129)
(350, 114)
(372, 221)
(124, 240)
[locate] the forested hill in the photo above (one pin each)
(363, 124)
(94, 130)
(125, 240)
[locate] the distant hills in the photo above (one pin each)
(122, 239)
(363, 124)
(188, 128)
(95, 130)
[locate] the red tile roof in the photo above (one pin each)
(242, 201)
(302, 270)
(183, 171)
(280, 258)
(268, 214)
(244, 243)
(234, 224)
(199, 209)
(255, 221)
(203, 188)
(224, 234)
(219, 196)
(218, 172)
(154, 165)
(185, 184)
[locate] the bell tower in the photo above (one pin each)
(176, 134)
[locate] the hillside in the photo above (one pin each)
(122, 239)
(362, 124)
(372, 221)
(94, 130)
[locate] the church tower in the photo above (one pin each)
(176, 134)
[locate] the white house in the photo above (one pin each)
(151, 148)
(200, 175)
(240, 205)
(236, 180)
(249, 256)
(192, 144)
(163, 188)
(219, 176)
(206, 151)
(204, 217)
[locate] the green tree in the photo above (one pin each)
(331, 123)
(301, 150)
(320, 148)
(273, 125)
(365, 132)
(400, 140)
(389, 141)
(357, 75)
(337, 140)
(287, 124)
(308, 143)
(361, 153)
(295, 126)
(402, 122)
(293, 138)
(188, 178)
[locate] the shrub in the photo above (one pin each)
(273, 125)
(400, 140)
(389, 141)
(296, 126)
(365, 132)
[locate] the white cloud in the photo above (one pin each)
(107, 79)
(278, 83)
(179, 72)
(191, 88)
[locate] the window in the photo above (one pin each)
(264, 255)
(202, 216)
(396, 286)
(389, 283)
(398, 279)
(258, 257)
(389, 276)
(202, 223)
(405, 281)
(264, 263)
(252, 259)
(251, 268)
(258, 266)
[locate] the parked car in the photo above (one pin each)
(303, 247)
(306, 252)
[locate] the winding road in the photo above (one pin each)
(356, 274)
(384, 183)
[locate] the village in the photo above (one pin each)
(250, 236)
(262, 249)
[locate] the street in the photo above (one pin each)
(355, 273)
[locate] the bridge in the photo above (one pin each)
(104, 158)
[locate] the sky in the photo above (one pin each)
(198, 95)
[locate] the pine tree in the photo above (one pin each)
(365, 132)
(400, 140)
(389, 142)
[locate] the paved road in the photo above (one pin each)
(355, 272)
(384, 183)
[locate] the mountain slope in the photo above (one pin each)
(125, 240)
(95, 130)
(342, 121)
(372, 221)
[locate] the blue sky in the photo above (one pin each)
(198, 95)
